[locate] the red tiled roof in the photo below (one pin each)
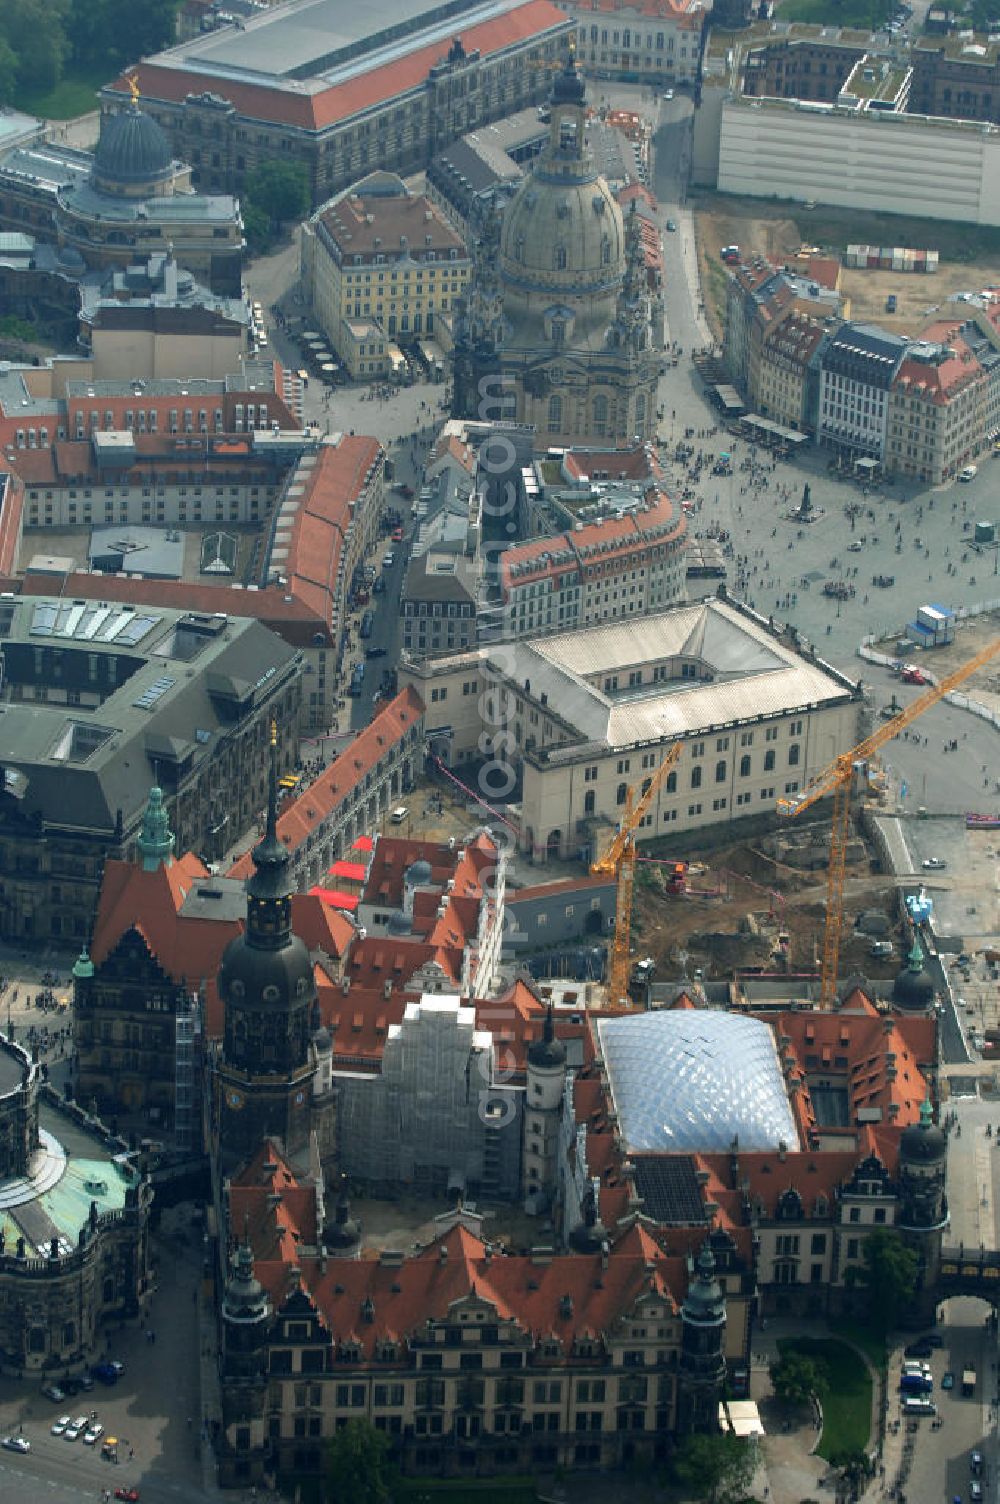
(629, 533)
(368, 89)
(189, 947)
(682, 12)
(11, 515)
(301, 815)
(290, 617)
(333, 488)
(940, 381)
(269, 1206)
(569, 1296)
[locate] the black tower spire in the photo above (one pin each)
(269, 908)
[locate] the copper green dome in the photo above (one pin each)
(133, 151)
(913, 988)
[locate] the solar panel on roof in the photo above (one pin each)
(43, 620)
(136, 630)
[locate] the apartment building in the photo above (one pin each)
(382, 263)
(101, 700)
(656, 42)
(938, 406)
(859, 365)
(759, 298)
(783, 378)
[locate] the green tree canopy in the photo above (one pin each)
(8, 72)
(357, 1465)
(796, 1378)
(119, 31)
(33, 30)
(718, 1469)
(890, 1274)
(280, 190)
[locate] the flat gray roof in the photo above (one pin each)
(309, 39)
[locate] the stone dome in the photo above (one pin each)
(397, 924)
(923, 1142)
(563, 234)
(913, 988)
(132, 151)
(418, 873)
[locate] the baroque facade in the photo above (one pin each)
(73, 1227)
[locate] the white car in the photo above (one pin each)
(933, 864)
(855, 547)
(668, 95)
(969, 473)
(389, 560)
(17, 1444)
(58, 1427)
(76, 1428)
(93, 1433)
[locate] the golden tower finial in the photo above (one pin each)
(274, 733)
(133, 83)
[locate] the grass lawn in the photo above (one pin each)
(870, 1343)
(76, 94)
(847, 1403)
(865, 14)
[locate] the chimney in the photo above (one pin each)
(541, 1255)
(345, 985)
(782, 1150)
(443, 1254)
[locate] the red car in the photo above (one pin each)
(397, 535)
(130, 1494)
(913, 676)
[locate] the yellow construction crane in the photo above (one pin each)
(618, 861)
(836, 780)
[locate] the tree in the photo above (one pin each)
(119, 31)
(33, 30)
(280, 190)
(256, 225)
(357, 1465)
(889, 1272)
(8, 72)
(718, 1469)
(796, 1378)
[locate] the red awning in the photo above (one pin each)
(363, 843)
(335, 898)
(353, 871)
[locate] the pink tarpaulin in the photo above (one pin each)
(353, 871)
(336, 899)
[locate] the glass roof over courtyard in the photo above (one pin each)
(694, 1080)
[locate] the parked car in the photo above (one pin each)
(58, 1426)
(948, 1380)
(389, 560)
(975, 1462)
(913, 675)
(668, 95)
(882, 949)
(130, 1495)
(397, 535)
(375, 652)
(17, 1444)
(933, 864)
(975, 1491)
(107, 1373)
(916, 1405)
(54, 1393)
(93, 1434)
(919, 1349)
(75, 1428)
(672, 226)
(969, 473)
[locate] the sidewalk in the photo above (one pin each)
(792, 1469)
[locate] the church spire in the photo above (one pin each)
(156, 841)
(269, 910)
